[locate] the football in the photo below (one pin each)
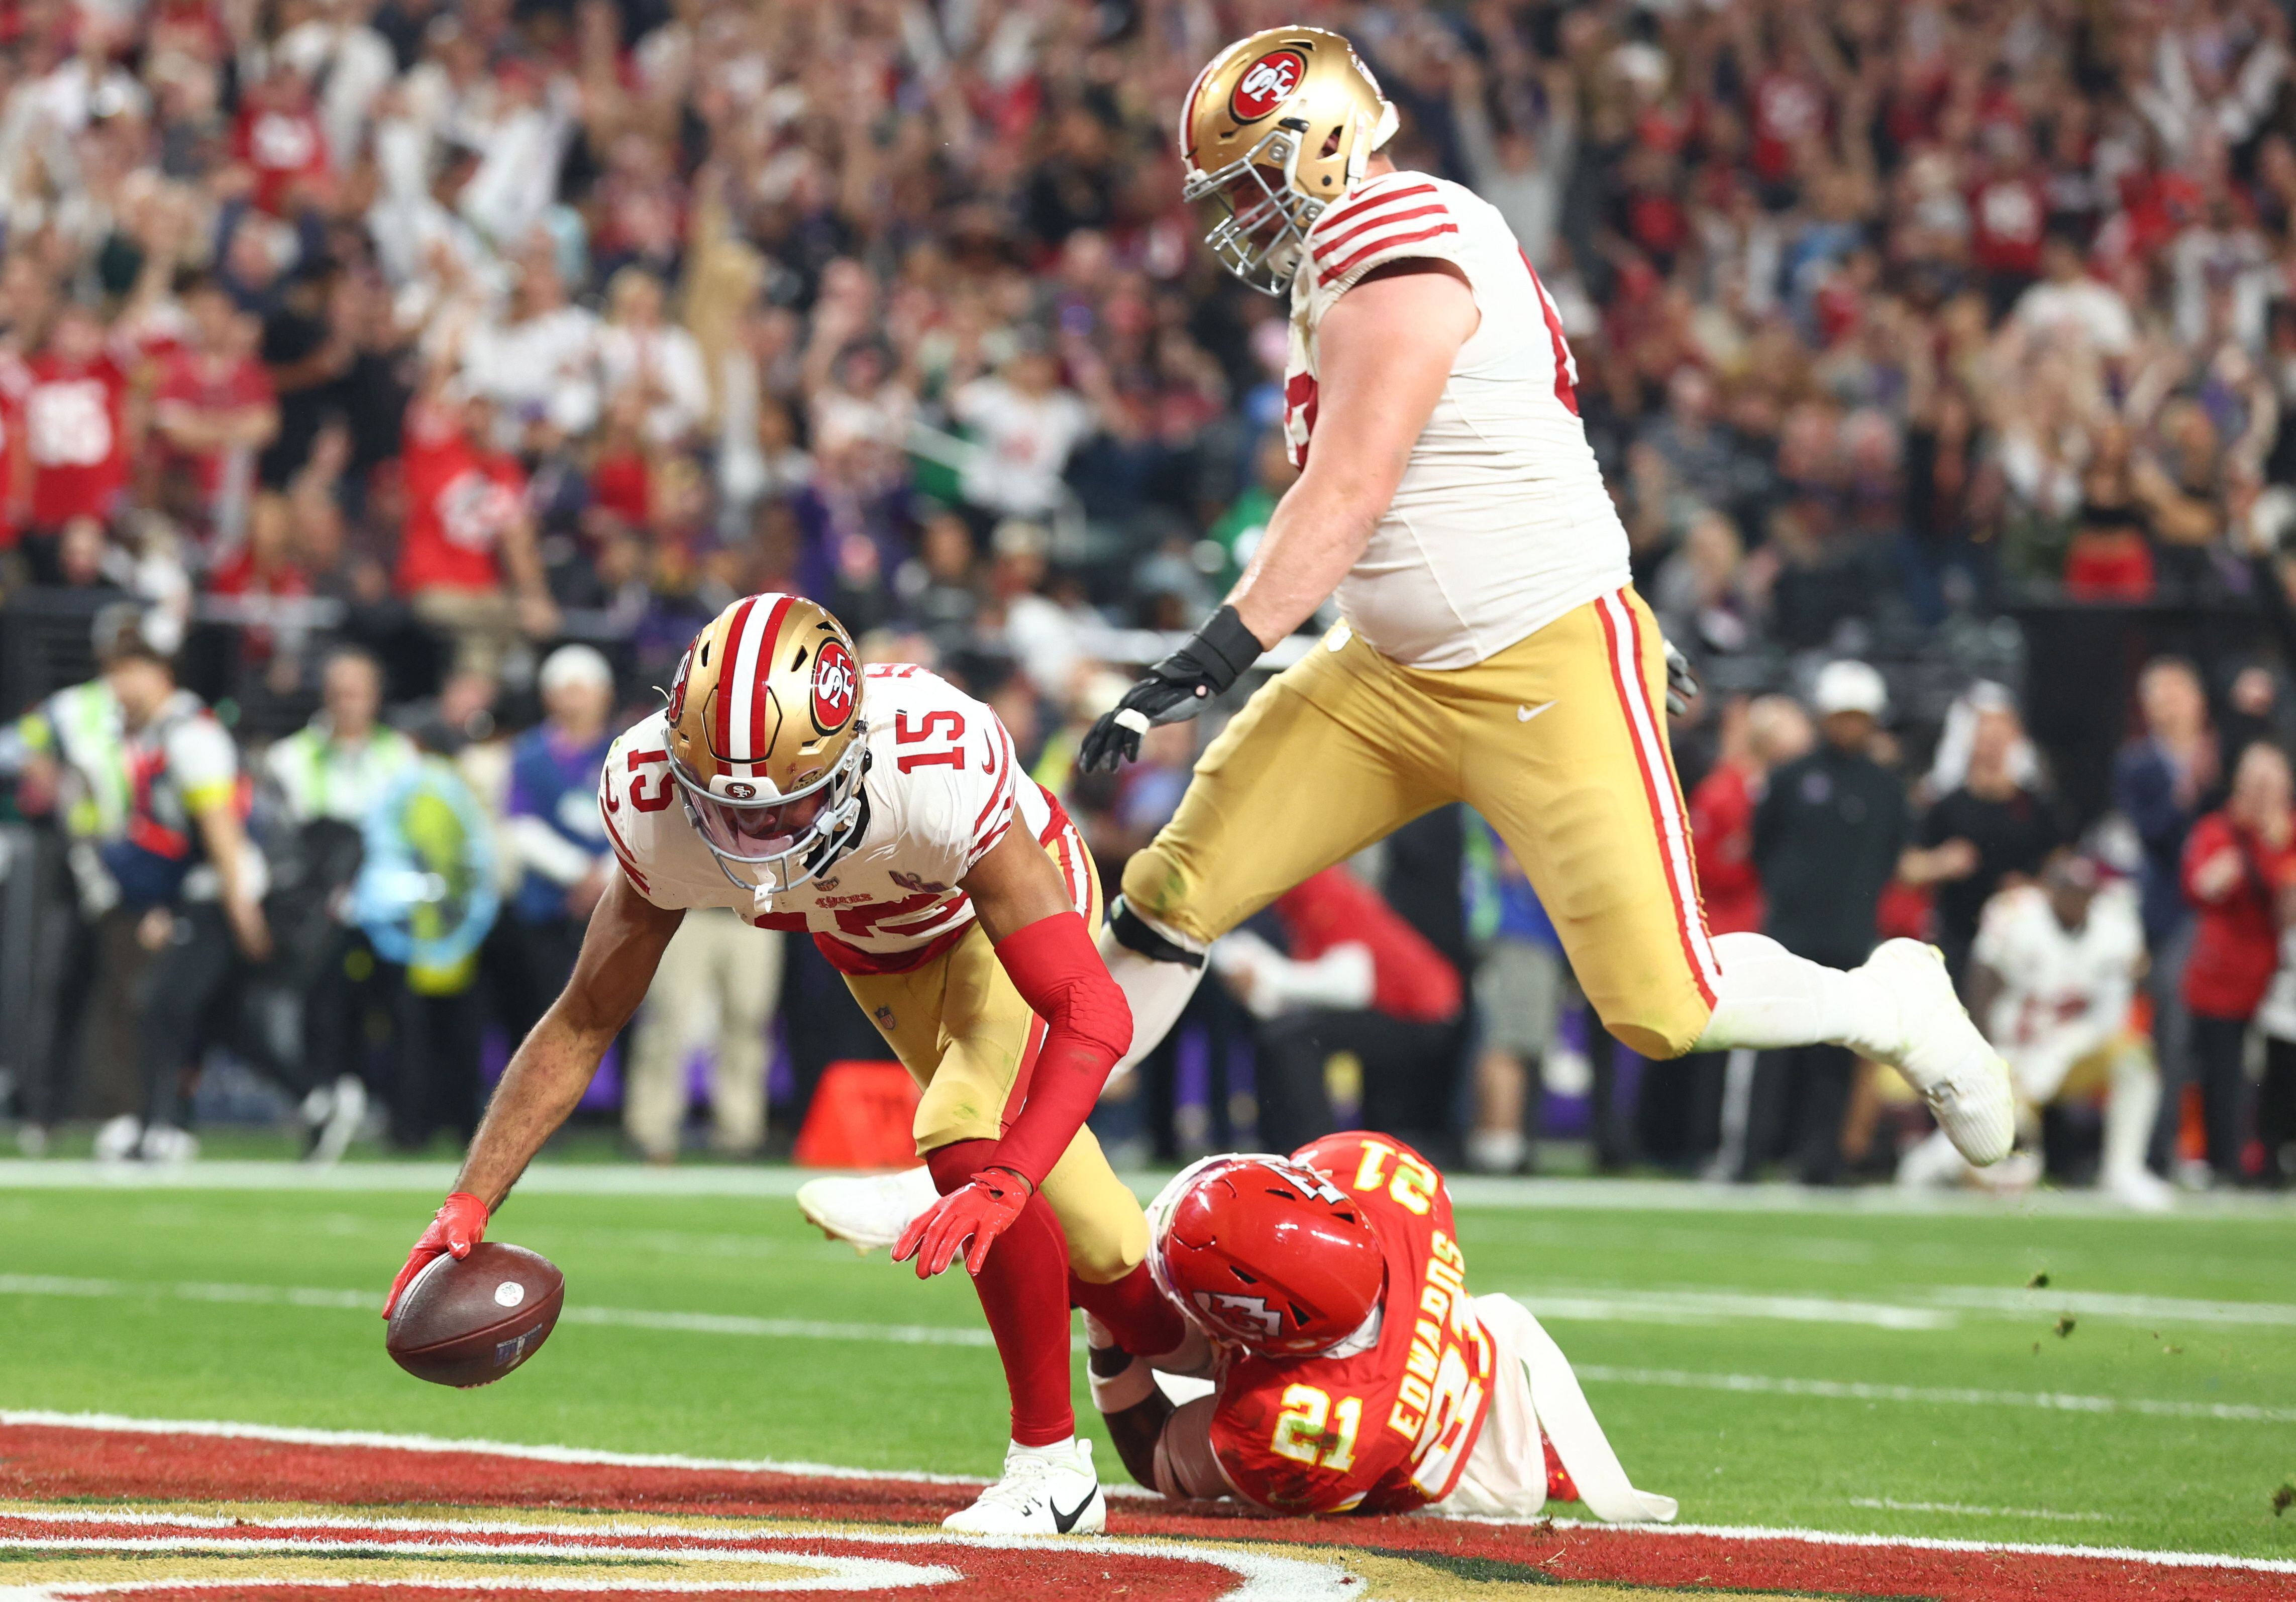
(470, 1321)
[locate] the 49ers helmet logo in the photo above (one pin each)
(1267, 83)
(676, 714)
(834, 683)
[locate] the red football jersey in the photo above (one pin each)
(75, 429)
(459, 502)
(1389, 1428)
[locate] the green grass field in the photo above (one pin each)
(1809, 1367)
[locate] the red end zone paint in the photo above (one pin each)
(45, 1463)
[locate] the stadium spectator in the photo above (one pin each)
(330, 774)
(1827, 835)
(186, 867)
(73, 770)
(2238, 864)
(718, 985)
(1521, 981)
(425, 900)
(1756, 736)
(2163, 780)
(1994, 824)
(553, 836)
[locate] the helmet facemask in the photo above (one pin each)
(787, 840)
(1260, 238)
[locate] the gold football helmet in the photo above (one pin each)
(1278, 127)
(767, 740)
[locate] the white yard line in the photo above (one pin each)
(1628, 1306)
(1191, 1550)
(1840, 1390)
(1895, 1505)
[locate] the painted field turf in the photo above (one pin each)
(1831, 1371)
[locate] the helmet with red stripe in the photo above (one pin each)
(1277, 127)
(766, 739)
(1267, 1253)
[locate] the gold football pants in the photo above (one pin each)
(965, 1036)
(1559, 741)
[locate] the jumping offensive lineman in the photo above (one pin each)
(881, 810)
(1353, 1372)
(1492, 648)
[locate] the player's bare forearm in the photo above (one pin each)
(1014, 884)
(1384, 353)
(553, 1065)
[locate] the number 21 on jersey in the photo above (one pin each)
(1312, 1430)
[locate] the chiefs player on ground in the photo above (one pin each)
(1492, 649)
(1353, 1372)
(881, 811)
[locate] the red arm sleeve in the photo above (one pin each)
(1057, 970)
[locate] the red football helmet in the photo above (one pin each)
(1267, 1253)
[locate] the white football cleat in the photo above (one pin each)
(117, 1138)
(2139, 1190)
(340, 1111)
(1042, 1493)
(1940, 1051)
(867, 1210)
(167, 1146)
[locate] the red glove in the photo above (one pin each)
(984, 1209)
(459, 1224)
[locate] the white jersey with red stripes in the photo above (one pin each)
(1500, 523)
(942, 786)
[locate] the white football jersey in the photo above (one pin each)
(1500, 523)
(2060, 986)
(942, 787)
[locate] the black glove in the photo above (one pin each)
(1176, 688)
(1682, 686)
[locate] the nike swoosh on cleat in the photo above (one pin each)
(1523, 715)
(1065, 1522)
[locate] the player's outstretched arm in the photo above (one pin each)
(553, 1065)
(1385, 351)
(551, 1069)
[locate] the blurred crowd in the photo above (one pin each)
(414, 342)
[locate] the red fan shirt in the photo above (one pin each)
(189, 379)
(460, 502)
(1387, 1429)
(76, 431)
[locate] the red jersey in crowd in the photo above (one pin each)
(2235, 939)
(460, 502)
(281, 145)
(2008, 215)
(1387, 1429)
(1410, 978)
(1789, 106)
(206, 384)
(1722, 845)
(76, 437)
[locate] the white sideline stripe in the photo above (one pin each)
(1842, 1390)
(1895, 1505)
(1491, 1192)
(1245, 1561)
(1708, 1306)
(2107, 1305)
